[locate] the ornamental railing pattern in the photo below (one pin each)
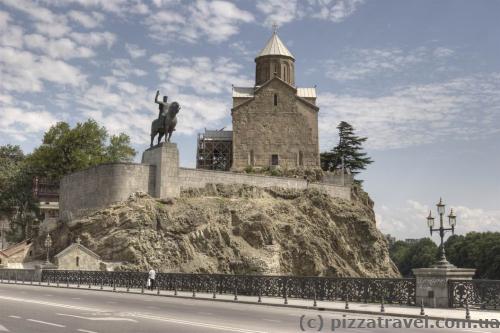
(484, 294)
(401, 291)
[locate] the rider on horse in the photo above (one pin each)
(162, 107)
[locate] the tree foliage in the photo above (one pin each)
(407, 256)
(16, 199)
(480, 250)
(65, 150)
(349, 148)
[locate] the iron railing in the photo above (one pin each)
(19, 275)
(484, 294)
(367, 290)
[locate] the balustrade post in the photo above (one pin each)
(67, 280)
(128, 285)
(235, 290)
(260, 295)
(102, 282)
(15, 277)
(365, 290)
(158, 286)
(382, 307)
(347, 302)
(48, 280)
(285, 290)
(467, 312)
(422, 312)
(214, 296)
(57, 282)
(315, 302)
(114, 285)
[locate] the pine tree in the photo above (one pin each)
(349, 150)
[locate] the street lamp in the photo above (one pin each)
(48, 244)
(452, 221)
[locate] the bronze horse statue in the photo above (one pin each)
(166, 122)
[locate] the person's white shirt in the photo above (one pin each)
(152, 274)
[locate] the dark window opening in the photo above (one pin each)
(274, 159)
(77, 261)
(275, 99)
(301, 158)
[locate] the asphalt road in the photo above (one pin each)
(26, 309)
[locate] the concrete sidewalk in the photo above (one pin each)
(360, 308)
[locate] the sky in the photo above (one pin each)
(419, 78)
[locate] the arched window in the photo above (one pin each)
(77, 261)
(275, 99)
(301, 158)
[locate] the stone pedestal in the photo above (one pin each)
(432, 284)
(165, 157)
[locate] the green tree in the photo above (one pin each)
(349, 149)
(16, 198)
(65, 150)
(480, 250)
(406, 256)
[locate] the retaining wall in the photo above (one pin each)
(102, 185)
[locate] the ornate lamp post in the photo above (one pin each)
(48, 244)
(452, 221)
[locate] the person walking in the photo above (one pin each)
(152, 279)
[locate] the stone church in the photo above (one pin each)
(275, 123)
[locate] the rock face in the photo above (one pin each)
(239, 229)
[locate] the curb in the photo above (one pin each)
(305, 307)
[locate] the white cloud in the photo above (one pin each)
(123, 68)
(88, 21)
(63, 48)
(24, 71)
(277, 11)
(94, 39)
(281, 12)
(409, 220)
(202, 74)
(215, 20)
(135, 51)
(464, 108)
(356, 64)
(32, 9)
(21, 119)
(335, 11)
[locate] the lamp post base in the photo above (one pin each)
(432, 283)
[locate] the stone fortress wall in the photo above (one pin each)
(160, 176)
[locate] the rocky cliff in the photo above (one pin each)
(239, 229)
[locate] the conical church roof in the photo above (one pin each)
(275, 46)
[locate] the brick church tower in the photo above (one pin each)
(275, 123)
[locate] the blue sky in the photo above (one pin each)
(420, 79)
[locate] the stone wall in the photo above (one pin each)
(102, 185)
(197, 178)
(261, 129)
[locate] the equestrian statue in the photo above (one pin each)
(166, 121)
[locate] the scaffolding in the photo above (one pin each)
(215, 150)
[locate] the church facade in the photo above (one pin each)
(275, 123)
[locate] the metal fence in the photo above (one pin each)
(484, 294)
(401, 291)
(19, 275)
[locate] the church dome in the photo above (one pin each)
(275, 47)
(274, 60)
